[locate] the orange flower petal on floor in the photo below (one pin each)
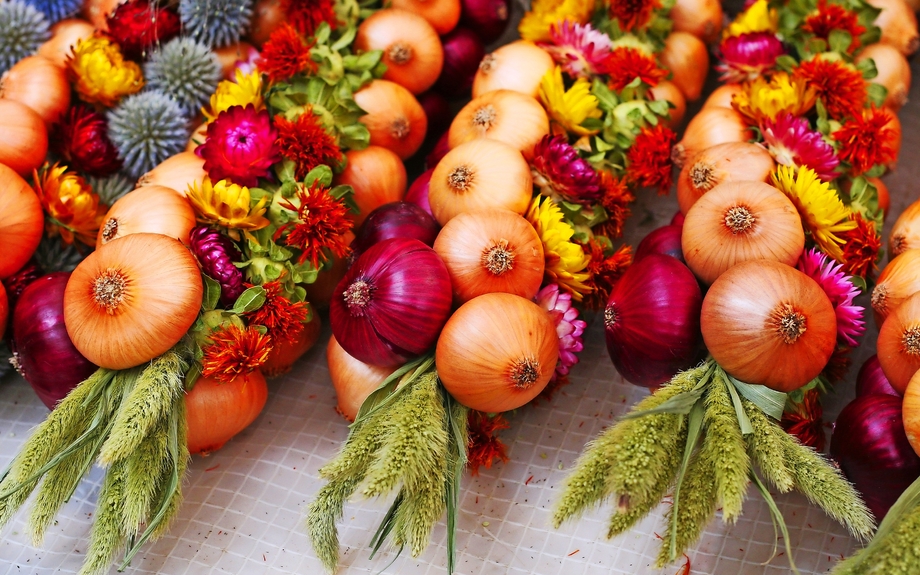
(483, 447)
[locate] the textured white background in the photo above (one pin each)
(244, 505)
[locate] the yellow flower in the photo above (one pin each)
(227, 205)
(535, 24)
(758, 18)
(100, 74)
(822, 212)
(73, 209)
(568, 108)
(246, 90)
(565, 260)
(761, 98)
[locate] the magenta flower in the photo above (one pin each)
(216, 253)
(559, 171)
(568, 327)
(793, 143)
(747, 56)
(836, 284)
(240, 146)
(579, 49)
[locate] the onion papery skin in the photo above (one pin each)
(722, 96)
(517, 66)
(467, 242)
(893, 72)
(767, 223)
(504, 115)
(898, 24)
(443, 15)
(728, 162)
(151, 209)
(178, 172)
(905, 233)
(702, 18)
(22, 221)
(4, 310)
(487, 343)
(64, 36)
(488, 18)
(668, 91)
(652, 320)
(710, 126)
(25, 137)
(217, 411)
(910, 411)
(394, 117)
(664, 240)
(686, 56)
(871, 379)
(898, 344)
(480, 174)
(46, 357)
(160, 282)
(411, 48)
(740, 321)
(871, 447)
(395, 220)
(463, 50)
(398, 298)
(284, 353)
(898, 281)
(377, 176)
(352, 379)
(418, 191)
(40, 84)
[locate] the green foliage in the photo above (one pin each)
(724, 448)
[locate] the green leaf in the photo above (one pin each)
(743, 421)
(786, 63)
(211, 293)
(682, 403)
(767, 400)
(321, 174)
(839, 40)
(250, 300)
(876, 93)
(694, 429)
(777, 516)
(387, 390)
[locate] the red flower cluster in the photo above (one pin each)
(483, 447)
(866, 140)
(648, 161)
(632, 14)
(234, 351)
(615, 201)
(285, 54)
(307, 143)
(840, 87)
(81, 138)
(605, 272)
(860, 248)
(624, 65)
(283, 318)
(830, 17)
(307, 15)
(136, 26)
(807, 422)
(322, 222)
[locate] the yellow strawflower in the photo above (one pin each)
(568, 108)
(758, 18)
(73, 209)
(822, 212)
(227, 205)
(535, 24)
(761, 98)
(565, 260)
(100, 73)
(247, 89)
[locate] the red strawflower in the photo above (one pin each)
(240, 146)
(648, 160)
(483, 448)
(830, 17)
(860, 248)
(234, 351)
(285, 54)
(624, 65)
(866, 140)
(283, 318)
(307, 15)
(605, 271)
(19, 281)
(806, 421)
(839, 86)
(615, 201)
(81, 137)
(306, 142)
(633, 14)
(321, 224)
(136, 26)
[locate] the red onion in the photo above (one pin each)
(678, 219)
(871, 447)
(395, 220)
(871, 379)
(46, 357)
(652, 320)
(664, 240)
(488, 18)
(418, 191)
(392, 303)
(437, 112)
(463, 51)
(440, 150)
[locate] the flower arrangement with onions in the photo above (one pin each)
(192, 285)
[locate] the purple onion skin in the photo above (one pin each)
(871, 447)
(418, 191)
(664, 240)
(439, 151)
(652, 321)
(678, 219)
(395, 220)
(488, 18)
(871, 379)
(463, 51)
(47, 358)
(408, 300)
(437, 112)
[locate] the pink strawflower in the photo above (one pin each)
(578, 48)
(747, 56)
(793, 143)
(559, 171)
(240, 146)
(568, 327)
(839, 289)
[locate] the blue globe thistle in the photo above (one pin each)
(216, 23)
(186, 70)
(56, 10)
(147, 128)
(110, 188)
(22, 31)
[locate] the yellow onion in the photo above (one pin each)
(518, 66)
(217, 411)
(728, 162)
